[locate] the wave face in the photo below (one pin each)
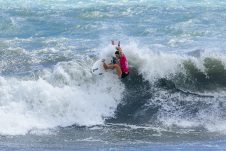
(174, 91)
(176, 52)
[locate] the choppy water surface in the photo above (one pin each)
(174, 97)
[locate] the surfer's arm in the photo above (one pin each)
(113, 43)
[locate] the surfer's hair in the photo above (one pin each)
(117, 52)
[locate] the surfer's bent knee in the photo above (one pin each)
(116, 66)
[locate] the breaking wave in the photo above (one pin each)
(163, 90)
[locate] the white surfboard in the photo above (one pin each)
(98, 68)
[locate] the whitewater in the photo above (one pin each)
(173, 99)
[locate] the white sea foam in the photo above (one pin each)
(61, 98)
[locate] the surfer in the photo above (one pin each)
(120, 64)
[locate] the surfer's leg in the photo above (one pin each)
(113, 66)
(118, 70)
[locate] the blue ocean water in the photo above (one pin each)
(173, 99)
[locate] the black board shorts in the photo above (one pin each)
(124, 75)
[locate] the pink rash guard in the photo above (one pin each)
(124, 64)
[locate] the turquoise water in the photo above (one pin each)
(174, 98)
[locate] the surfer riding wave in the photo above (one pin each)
(120, 64)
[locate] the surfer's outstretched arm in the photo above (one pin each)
(108, 66)
(113, 43)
